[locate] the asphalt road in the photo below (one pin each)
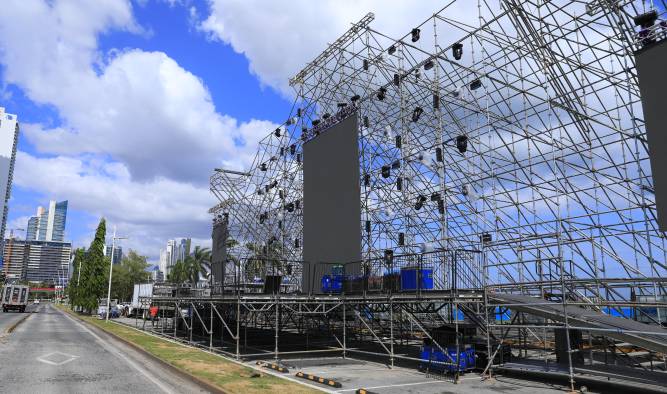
(7, 319)
(51, 352)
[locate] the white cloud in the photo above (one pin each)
(148, 212)
(280, 37)
(139, 135)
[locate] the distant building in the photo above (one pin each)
(176, 250)
(48, 224)
(37, 261)
(9, 133)
(156, 274)
(117, 253)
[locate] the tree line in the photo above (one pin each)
(90, 277)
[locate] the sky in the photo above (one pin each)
(125, 107)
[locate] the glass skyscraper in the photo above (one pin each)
(9, 132)
(48, 224)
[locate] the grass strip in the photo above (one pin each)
(226, 375)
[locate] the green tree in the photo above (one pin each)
(263, 258)
(94, 272)
(178, 273)
(73, 286)
(131, 270)
(199, 262)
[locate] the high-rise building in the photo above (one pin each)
(48, 224)
(176, 250)
(117, 253)
(37, 261)
(9, 133)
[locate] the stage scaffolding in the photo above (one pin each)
(511, 128)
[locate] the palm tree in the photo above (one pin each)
(178, 273)
(263, 257)
(198, 263)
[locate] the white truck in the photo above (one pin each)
(141, 296)
(14, 298)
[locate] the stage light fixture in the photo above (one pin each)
(391, 50)
(438, 154)
(399, 142)
(366, 64)
(382, 93)
(415, 34)
(341, 105)
(399, 184)
(441, 207)
(401, 239)
(486, 238)
(368, 226)
(646, 20)
(396, 164)
(292, 149)
(457, 50)
(367, 122)
(355, 98)
(277, 132)
(296, 243)
(436, 101)
(476, 84)
(420, 202)
(326, 116)
(428, 65)
(435, 196)
(386, 171)
(417, 113)
(299, 112)
(316, 122)
(263, 167)
(367, 180)
(462, 143)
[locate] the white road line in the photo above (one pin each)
(394, 385)
(121, 356)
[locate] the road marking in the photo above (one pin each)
(119, 354)
(67, 358)
(394, 385)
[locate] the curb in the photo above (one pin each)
(318, 379)
(203, 384)
(11, 328)
(273, 366)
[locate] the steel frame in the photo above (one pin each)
(554, 187)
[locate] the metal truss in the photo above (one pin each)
(514, 128)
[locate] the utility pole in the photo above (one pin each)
(113, 250)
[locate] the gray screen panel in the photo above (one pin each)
(331, 202)
(219, 250)
(651, 66)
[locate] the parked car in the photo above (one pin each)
(36, 301)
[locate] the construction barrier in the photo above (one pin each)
(318, 379)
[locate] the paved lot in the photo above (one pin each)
(356, 374)
(51, 352)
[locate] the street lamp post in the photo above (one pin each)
(113, 250)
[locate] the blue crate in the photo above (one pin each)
(429, 354)
(413, 278)
(332, 283)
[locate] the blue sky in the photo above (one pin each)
(126, 106)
